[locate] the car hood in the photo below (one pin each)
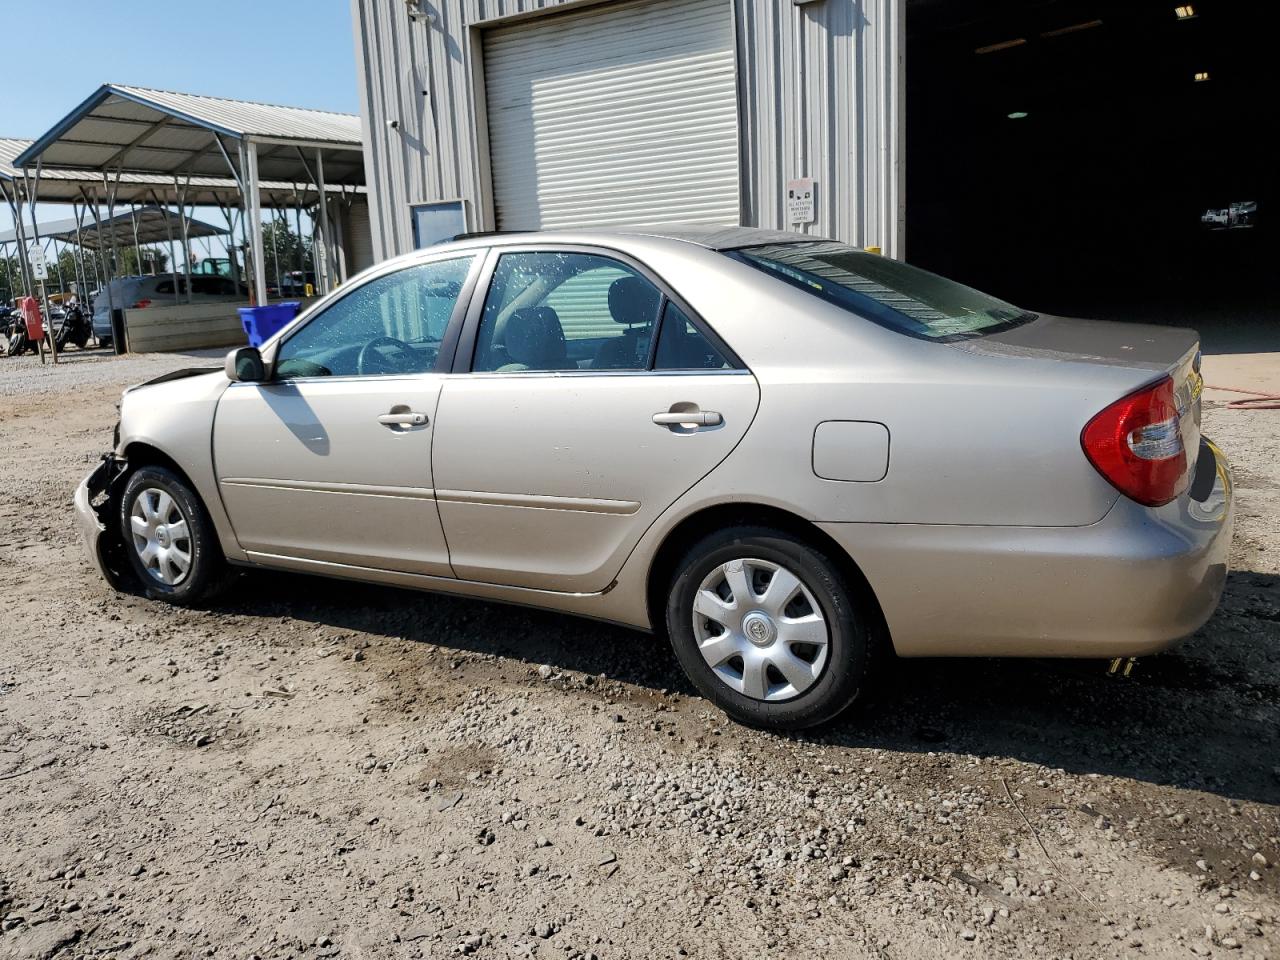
(172, 375)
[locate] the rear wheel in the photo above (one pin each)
(767, 628)
(170, 541)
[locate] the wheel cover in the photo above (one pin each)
(161, 536)
(760, 629)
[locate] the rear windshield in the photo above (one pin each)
(888, 292)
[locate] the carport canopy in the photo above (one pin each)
(74, 186)
(137, 130)
(122, 129)
(153, 225)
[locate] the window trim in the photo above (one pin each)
(465, 354)
(448, 343)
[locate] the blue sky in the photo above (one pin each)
(293, 52)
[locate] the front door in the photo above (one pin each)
(573, 430)
(330, 461)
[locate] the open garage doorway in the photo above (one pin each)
(1103, 159)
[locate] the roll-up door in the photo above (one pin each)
(619, 114)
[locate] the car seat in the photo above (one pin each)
(534, 340)
(634, 302)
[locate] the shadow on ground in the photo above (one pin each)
(1205, 716)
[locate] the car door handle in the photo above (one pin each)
(692, 418)
(409, 419)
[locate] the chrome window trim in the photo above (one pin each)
(465, 355)
(526, 374)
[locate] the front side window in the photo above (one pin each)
(886, 291)
(566, 311)
(390, 325)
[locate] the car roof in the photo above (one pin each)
(713, 237)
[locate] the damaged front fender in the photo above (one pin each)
(97, 502)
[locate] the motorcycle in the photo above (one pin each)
(75, 328)
(16, 340)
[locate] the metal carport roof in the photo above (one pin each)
(71, 186)
(138, 130)
(154, 225)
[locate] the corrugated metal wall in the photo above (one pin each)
(820, 93)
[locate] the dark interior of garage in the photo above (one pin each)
(1101, 159)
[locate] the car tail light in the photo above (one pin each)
(140, 304)
(1136, 443)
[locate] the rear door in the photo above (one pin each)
(565, 429)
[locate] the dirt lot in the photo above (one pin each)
(314, 769)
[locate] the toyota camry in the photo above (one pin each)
(791, 457)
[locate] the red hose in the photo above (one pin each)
(1257, 400)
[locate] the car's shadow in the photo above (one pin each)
(1205, 716)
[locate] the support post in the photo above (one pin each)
(253, 189)
(324, 222)
(14, 202)
(181, 194)
(33, 191)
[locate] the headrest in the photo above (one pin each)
(534, 337)
(633, 300)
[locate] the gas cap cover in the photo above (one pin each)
(855, 451)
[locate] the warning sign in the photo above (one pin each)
(800, 205)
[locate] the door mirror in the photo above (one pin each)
(244, 365)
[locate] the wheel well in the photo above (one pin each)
(140, 454)
(698, 525)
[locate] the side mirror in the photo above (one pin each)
(244, 365)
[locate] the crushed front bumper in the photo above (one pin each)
(95, 500)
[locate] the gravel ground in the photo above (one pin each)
(320, 770)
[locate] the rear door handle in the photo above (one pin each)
(693, 418)
(410, 419)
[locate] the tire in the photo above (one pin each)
(821, 681)
(182, 569)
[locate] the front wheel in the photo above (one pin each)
(768, 629)
(169, 539)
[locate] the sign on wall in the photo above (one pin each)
(800, 203)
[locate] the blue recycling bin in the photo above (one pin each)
(260, 323)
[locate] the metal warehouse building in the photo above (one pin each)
(517, 114)
(1073, 156)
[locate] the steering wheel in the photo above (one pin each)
(382, 364)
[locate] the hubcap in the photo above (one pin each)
(160, 536)
(760, 629)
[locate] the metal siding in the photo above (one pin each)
(619, 114)
(819, 88)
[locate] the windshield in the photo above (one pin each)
(888, 292)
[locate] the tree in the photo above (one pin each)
(154, 260)
(13, 274)
(279, 241)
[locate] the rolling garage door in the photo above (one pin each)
(619, 114)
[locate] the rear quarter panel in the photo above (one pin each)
(974, 438)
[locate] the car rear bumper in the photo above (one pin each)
(1130, 584)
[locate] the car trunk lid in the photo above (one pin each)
(1151, 351)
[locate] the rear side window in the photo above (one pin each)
(566, 311)
(885, 291)
(681, 345)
